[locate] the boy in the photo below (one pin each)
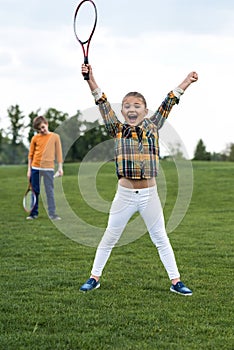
(45, 147)
(136, 158)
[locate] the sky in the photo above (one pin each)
(147, 46)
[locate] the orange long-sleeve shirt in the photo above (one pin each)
(44, 150)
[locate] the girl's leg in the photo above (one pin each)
(49, 188)
(152, 213)
(122, 209)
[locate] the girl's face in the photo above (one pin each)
(43, 129)
(133, 110)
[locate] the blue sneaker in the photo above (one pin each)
(90, 285)
(180, 288)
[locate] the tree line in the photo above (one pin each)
(202, 154)
(76, 133)
(78, 137)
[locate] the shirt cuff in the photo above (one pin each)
(97, 94)
(178, 92)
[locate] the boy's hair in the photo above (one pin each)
(136, 94)
(38, 121)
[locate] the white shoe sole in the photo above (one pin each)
(90, 290)
(175, 291)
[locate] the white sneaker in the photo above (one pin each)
(54, 217)
(31, 217)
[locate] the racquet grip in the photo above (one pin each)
(86, 75)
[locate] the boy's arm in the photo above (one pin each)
(59, 156)
(30, 158)
(60, 169)
(29, 169)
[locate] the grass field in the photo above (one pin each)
(42, 270)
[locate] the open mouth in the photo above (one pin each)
(132, 118)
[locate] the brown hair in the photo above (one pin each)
(136, 94)
(38, 121)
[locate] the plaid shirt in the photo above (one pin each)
(137, 147)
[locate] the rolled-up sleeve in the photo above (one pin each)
(159, 117)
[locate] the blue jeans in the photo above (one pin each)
(48, 176)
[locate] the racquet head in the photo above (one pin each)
(29, 199)
(84, 24)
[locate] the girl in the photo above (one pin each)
(136, 158)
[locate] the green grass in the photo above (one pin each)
(42, 270)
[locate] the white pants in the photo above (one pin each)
(127, 202)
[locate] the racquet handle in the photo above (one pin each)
(86, 75)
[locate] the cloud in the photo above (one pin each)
(133, 17)
(147, 48)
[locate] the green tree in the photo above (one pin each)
(176, 151)
(17, 124)
(31, 131)
(70, 131)
(200, 152)
(12, 154)
(231, 153)
(79, 136)
(1, 139)
(95, 134)
(14, 149)
(218, 157)
(55, 118)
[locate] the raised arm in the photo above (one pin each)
(191, 78)
(108, 115)
(172, 98)
(96, 91)
(86, 68)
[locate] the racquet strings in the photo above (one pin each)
(84, 21)
(29, 201)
